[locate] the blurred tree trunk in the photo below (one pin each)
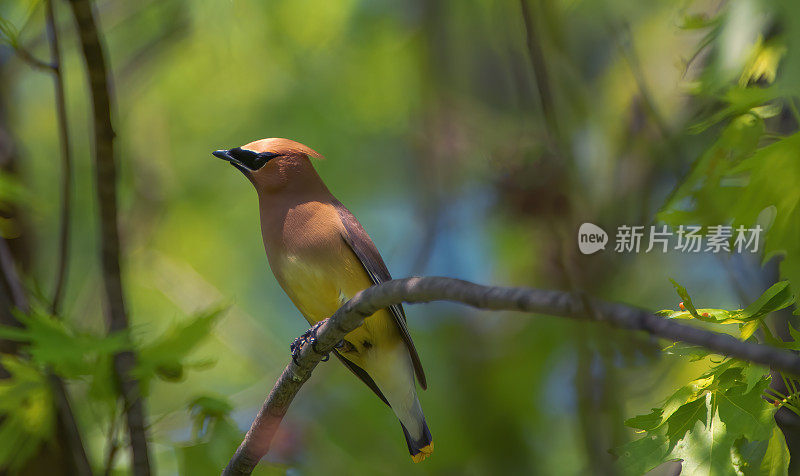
(99, 78)
(54, 457)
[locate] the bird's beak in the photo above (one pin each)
(226, 155)
(223, 154)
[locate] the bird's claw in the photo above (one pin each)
(308, 337)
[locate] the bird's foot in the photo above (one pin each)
(308, 337)
(345, 347)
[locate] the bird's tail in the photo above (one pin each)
(422, 447)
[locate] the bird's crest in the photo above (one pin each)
(278, 146)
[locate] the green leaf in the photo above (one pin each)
(740, 102)
(684, 419)
(51, 342)
(26, 412)
(706, 449)
(716, 316)
(708, 423)
(773, 173)
(685, 395)
(753, 374)
(642, 455)
(206, 409)
(211, 406)
(736, 182)
(692, 352)
(687, 300)
(748, 456)
(763, 62)
(747, 329)
(213, 451)
(166, 356)
(776, 458)
(746, 414)
(777, 297)
(697, 21)
(647, 422)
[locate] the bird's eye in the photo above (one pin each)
(241, 154)
(250, 159)
(259, 161)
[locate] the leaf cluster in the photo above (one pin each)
(721, 422)
(53, 345)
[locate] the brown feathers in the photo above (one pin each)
(276, 145)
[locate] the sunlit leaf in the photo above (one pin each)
(763, 62)
(747, 329)
(777, 297)
(705, 422)
(706, 448)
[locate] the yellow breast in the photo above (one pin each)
(319, 272)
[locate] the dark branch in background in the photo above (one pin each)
(113, 446)
(10, 276)
(66, 158)
(32, 61)
(124, 362)
(426, 289)
(67, 426)
(540, 71)
(595, 377)
(622, 33)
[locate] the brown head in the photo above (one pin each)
(274, 164)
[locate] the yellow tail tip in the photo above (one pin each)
(424, 452)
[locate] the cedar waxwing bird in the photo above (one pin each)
(321, 257)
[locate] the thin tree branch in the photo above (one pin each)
(113, 445)
(32, 60)
(54, 68)
(105, 170)
(66, 159)
(536, 55)
(622, 33)
(426, 289)
(68, 427)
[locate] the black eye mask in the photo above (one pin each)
(247, 159)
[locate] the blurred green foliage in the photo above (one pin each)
(430, 117)
(27, 408)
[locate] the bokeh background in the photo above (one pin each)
(471, 139)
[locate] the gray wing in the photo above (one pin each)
(363, 247)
